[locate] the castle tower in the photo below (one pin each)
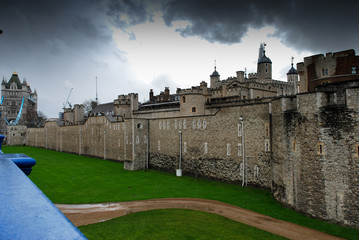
(214, 78)
(264, 66)
(261, 49)
(292, 77)
(18, 101)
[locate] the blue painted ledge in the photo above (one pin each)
(25, 212)
(23, 162)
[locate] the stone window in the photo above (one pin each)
(354, 70)
(205, 148)
(139, 125)
(266, 130)
(145, 139)
(184, 99)
(356, 146)
(239, 130)
(266, 145)
(241, 169)
(185, 147)
(199, 124)
(159, 145)
(194, 109)
(320, 148)
(239, 149)
(324, 71)
(256, 171)
(228, 149)
(160, 125)
(294, 146)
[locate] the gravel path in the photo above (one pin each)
(83, 214)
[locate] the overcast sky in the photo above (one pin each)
(133, 46)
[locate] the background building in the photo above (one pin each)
(18, 103)
(323, 69)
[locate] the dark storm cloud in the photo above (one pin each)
(48, 24)
(125, 13)
(309, 25)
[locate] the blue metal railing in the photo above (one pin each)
(26, 213)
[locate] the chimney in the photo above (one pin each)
(151, 95)
(166, 97)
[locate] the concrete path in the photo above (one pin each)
(83, 214)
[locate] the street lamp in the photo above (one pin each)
(241, 120)
(179, 170)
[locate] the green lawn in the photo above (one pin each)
(69, 178)
(173, 224)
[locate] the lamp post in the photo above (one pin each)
(241, 120)
(179, 170)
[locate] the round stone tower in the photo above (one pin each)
(264, 68)
(292, 77)
(214, 79)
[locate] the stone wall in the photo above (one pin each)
(16, 135)
(305, 148)
(123, 141)
(212, 145)
(315, 156)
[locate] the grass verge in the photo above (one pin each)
(69, 178)
(173, 224)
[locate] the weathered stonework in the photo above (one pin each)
(313, 156)
(305, 148)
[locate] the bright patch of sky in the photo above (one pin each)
(159, 57)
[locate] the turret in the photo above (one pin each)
(292, 77)
(264, 67)
(3, 84)
(240, 76)
(152, 99)
(214, 78)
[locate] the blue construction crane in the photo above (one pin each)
(67, 100)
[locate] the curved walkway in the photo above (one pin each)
(83, 214)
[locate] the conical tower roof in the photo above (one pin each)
(14, 79)
(215, 73)
(292, 70)
(264, 58)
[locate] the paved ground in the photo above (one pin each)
(83, 214)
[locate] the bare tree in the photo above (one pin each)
(40, 119)
(89, 105)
